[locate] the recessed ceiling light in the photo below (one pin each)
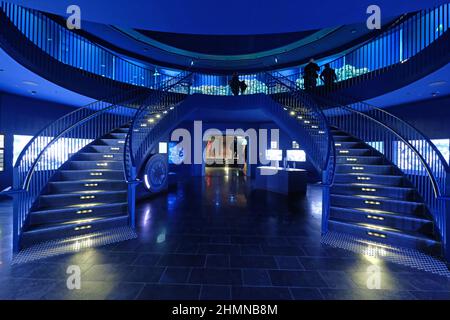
(33, 92)
(30, 83)
(437, 83)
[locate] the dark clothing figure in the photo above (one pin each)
(310, 75)
(243, 86)
(328, 76)
(235, 84)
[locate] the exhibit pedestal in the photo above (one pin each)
(286, 181)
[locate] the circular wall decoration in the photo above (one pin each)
(156, 173)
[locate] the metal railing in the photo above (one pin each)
(76, 51)
(405, 39)
(48, 150)
(403, 145)
(321, 147)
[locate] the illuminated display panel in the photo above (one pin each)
(55, 155)
(176, 153)
(296, 155)
(407, 162)
(274, 155)
(163, 147)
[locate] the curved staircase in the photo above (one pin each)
(88, 193)
(371, 198)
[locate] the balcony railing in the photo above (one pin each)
(404, 40)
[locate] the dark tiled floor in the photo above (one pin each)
(214, 239)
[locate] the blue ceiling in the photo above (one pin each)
(230, 16)
(226, 44)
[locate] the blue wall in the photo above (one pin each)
(23, 116)
(429, 116)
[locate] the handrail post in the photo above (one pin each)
(446, 217)
(325, 201)
(132, 198)
(16, 215)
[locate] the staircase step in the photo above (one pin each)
(87, 165)
(400, 193)
(378, 203)
(349, 145)
(51, 216)
(96, 156)
(388, 180)
(111, 142)
(388, 236)
(344, 138)
(364, 168)
(80, 199)
(116, 135)
(75, 175)
(359, 159)
(71, 228)
(353, 152)
(104, 149)
(84, 185)
(400, 221)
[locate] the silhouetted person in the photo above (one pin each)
(328, 76)
(243, 86)
(310, 75)
(235, 84)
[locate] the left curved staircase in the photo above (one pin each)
(87, 194)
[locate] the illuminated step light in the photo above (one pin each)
(299, 117)
(376, 234)
(315, 127)
(171, 108)
(375, 217)
(158, 116)
(307, 121)
(108, 156)
(102, 164)
(372, 202)
(115, 148)
(369, 189)
(338, 144)
(82, 228)
(91, 184)
(321, 132)
(96, 174)
(357, 168)
(143, 125)
(352, 159)
(84, 211)
(151, 120)
(165, 111)
(292, 113)
(87, 197)
(285, 109)
(343, 151)
(363, 178)
(121, 141)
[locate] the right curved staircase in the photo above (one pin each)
(371, 198)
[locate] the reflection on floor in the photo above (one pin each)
(214, 239)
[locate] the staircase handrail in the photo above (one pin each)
(56, 129)
(329, 162)
(164, 89)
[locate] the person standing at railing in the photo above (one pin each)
(310, 74)
(235, 84)
(328, 76)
